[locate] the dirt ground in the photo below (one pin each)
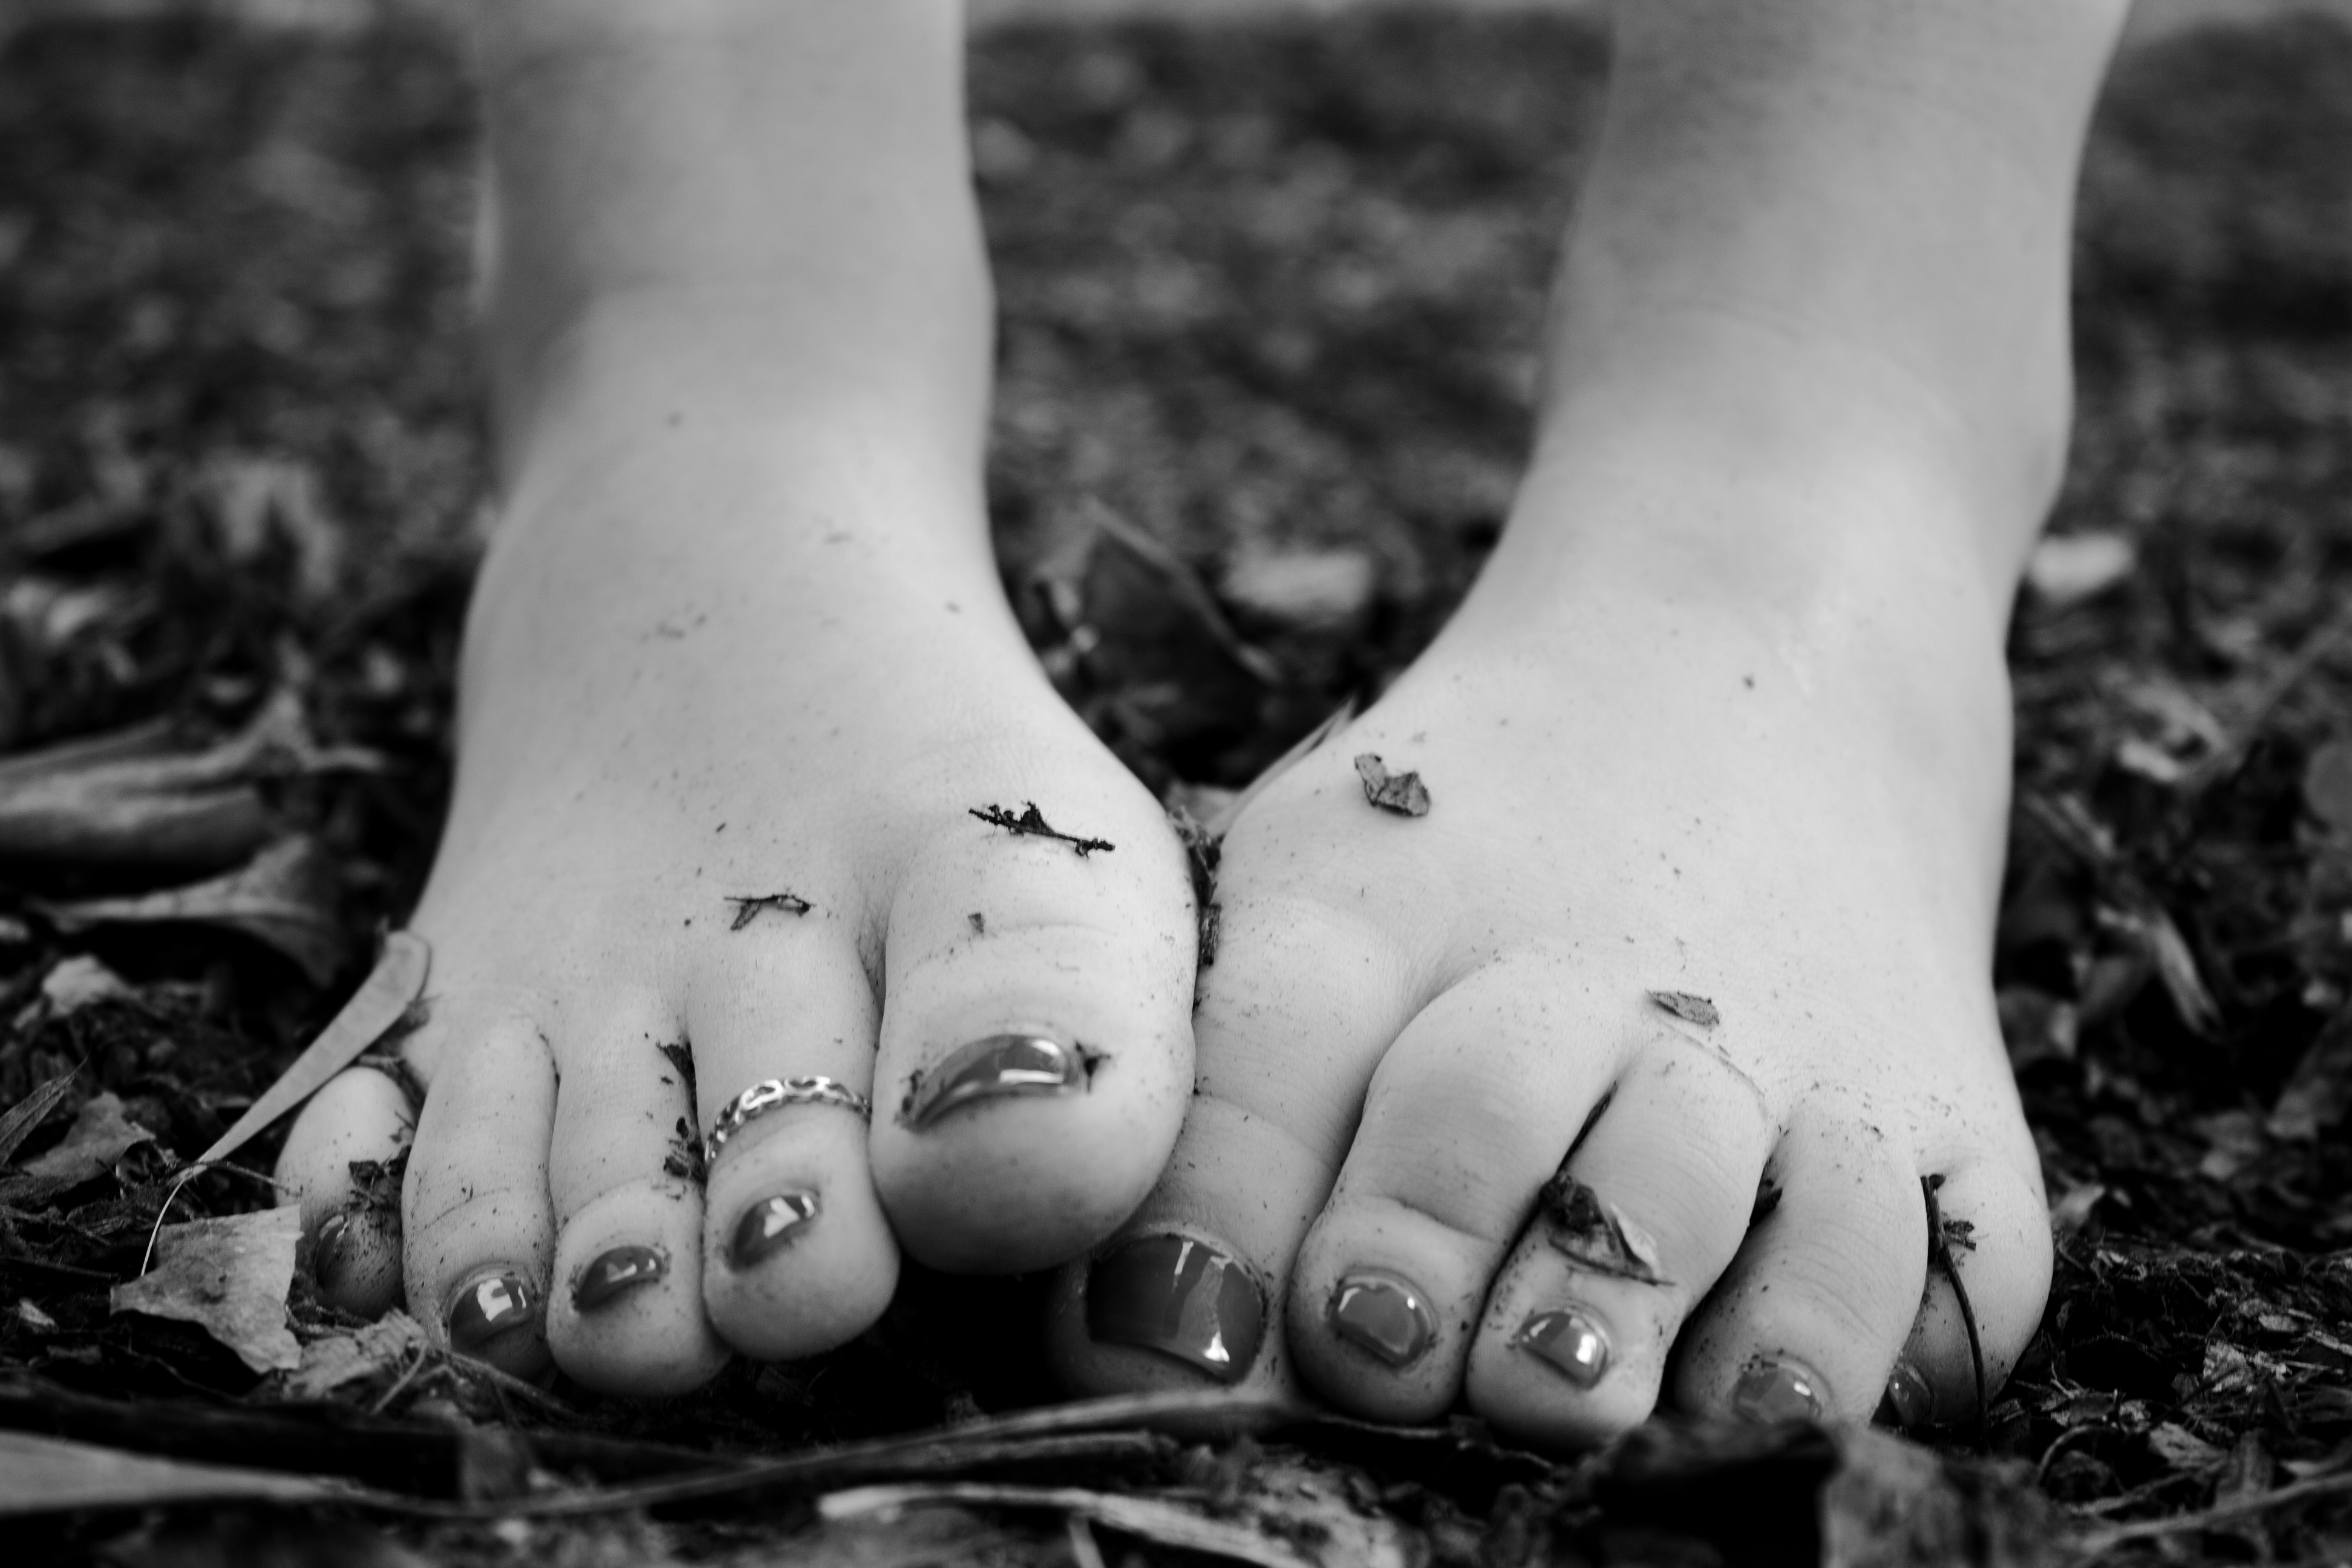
(1269, 294)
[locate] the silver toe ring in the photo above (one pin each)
(770, 1094)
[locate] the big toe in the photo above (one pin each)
(1037, 1042)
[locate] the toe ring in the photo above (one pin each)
(770, 1093)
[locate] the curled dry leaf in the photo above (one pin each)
(285, 898)
(132, 799)
(100, 1135)
(1401, 794)
(229, 1277)
(32, 1110)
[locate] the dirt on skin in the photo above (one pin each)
(1270, 298)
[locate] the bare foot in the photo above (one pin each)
(1623, 1076)
(744, 717)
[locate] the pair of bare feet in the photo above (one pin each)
(1725, 719)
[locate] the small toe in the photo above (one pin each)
(1806, 1322)
(1192, 1292)
(360, 1116)
(796, 1256)
(479, 1232)
(625, 1313)
(1976, 1320)
(1473, 1107)
(1036, 1046)
(1574, 1344)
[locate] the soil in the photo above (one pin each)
(1269, 294)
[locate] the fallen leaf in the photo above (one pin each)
(1690, 1009)
(1312, 590)
(100, 1136)
(32, 1110)
(2318, 1092)
(387, 1345)
(2327, 785)
(77, 982)
(2183, 1449)
(50, 1474)
(229, 1277)
(284, 898)
(1403, 793)
(2068, 568)
(133, 799)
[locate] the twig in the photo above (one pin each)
(1032, 824)
(1941, 1261)
(2098, 1543)
(747, 909)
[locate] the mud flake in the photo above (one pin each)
(747, 909)
(1401, 794)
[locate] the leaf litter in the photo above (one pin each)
(2172, 959)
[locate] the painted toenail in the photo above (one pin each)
(1383, 1314)
(995, 1067)
(327, 1251)
(1181, 1297)
(1570, 1343)
(1773, 1388)
(1909, 1402)
(616, 1272)
(769, 1227)
(491, 1308)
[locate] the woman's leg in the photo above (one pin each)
(1718, 757)
(740, 636)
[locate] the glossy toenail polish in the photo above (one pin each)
(1178, 1297)
(616, 1272)
(1569, 1342)
(1383, 1314)
(1774, 1388)
(1908, 1402)
(769, 1227)
(492, 1308)
(1000, 1067)
(327, 1251)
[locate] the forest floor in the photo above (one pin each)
(1268, 299)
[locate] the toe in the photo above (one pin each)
(1997, 1239)
(624, 1314)
(362, 1115)
(1649, 1209)
(1806, 1322)
(1299, 1004)
(1037, 1042)
(796, 1254)
(1472, 1108)
(479, 1232)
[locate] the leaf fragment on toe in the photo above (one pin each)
(1690, 1009)
(1032, 824)
(1589, 1231)
(1401, 794)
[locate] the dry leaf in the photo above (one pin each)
(50, 1474)
(2068, 568)
(100, 1136)
(1403, 793)
(283, 897)
(229, 1277)
(387, 1345)
(75, 983)
(32, 1110)
(2327, 785)
(1690, 1009)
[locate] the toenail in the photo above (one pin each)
(995, 1067)
(769, 1227)
(1774, 1388)
(1181, 1297)
(493, 1307)
(616, 1272)
(1569, 1342)
(1909, 1402)
(1383, 1314)
(327, 1251)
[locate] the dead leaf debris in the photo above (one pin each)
(1401, 794)
(749, 909)
(1690, 1009)
(1589, 1231)
(1032, 824)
